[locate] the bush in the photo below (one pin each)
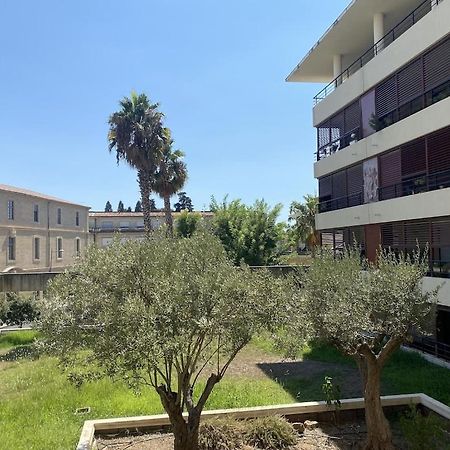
(271, 433)
(17, 309)
(221, 434)
(424, 432)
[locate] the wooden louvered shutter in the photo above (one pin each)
(409, 82)
(413, 158)
(352, 117)
(416, 233)
(437, 65)
(386, 97)
(355, 183)
(337, 126)
(340, 189)
(390, 174)
(323, 134)
(392, 235)
(325, 188)
(439, 151)
(440, 233)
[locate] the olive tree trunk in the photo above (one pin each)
(144, 187)
(168, 215)
(379, 436)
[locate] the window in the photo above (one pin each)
(59, 248)
(77, 247)
(10, 209)
(77, 219)
(59, 216)
(36, 213)
(11, 248)
(36, 248)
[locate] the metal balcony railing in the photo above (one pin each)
(431, 346)
(341, 202)
(422, 10)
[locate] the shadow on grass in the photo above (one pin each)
(20, 352)
(303, 380)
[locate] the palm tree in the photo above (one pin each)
(136, 134)
(169, 177)
(303, 216)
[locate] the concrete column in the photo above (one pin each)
(337, 68)
(378, 30)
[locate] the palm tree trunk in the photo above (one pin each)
(168, 215)
(144, 186)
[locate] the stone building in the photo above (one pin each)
(39, 232)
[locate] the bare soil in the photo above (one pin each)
(349, 436)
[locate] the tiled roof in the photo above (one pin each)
(16, 190)
(139, 214)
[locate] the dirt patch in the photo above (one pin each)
(349, 436)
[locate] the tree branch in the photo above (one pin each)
(391, 345)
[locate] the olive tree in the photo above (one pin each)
(367, 311)
(162, 313)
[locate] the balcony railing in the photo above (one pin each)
(431, 346)
(341, 202)
(338, 144)
(416, 185)
(422, 10)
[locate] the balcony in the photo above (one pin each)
(411, 19)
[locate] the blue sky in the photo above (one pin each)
(217, 69)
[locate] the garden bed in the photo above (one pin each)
(123, 432)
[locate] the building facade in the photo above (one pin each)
(104, 226)
(39, 232)
(383, 132)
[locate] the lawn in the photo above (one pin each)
(37, 403)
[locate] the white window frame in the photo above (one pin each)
(59, 216)
(59, 251)
(11, 210)
(38, 256)
(12, 239)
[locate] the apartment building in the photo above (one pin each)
(383, 132)
(39, 232)
(103, 226)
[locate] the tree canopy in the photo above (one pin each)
(187, 223)
(184, 203)
(302, 219)
(108, 207)
(367, 311)
(120, 206)
(249, 234)
(162, 313)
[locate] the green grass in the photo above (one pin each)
(37, 403)
(15, 338)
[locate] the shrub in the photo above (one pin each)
(424, 432)
(17, 309)
(271, 433)
(221, 434)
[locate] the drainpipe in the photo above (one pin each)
(49, 246)
(337, 68)
(378, 31)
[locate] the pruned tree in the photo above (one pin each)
(120, 207)
(108, 207)
(187, 223)
(184, 203)
(138, 207)
(152, 205)
(163, 313)
(129, 209)
(367, 311)
(249, 233)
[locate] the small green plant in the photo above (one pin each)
(270, 433)
(220, 434)
(424, 432)
(332, 392)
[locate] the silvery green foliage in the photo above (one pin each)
(159, 312)
(355, 305)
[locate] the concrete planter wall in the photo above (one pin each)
(300, 411)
